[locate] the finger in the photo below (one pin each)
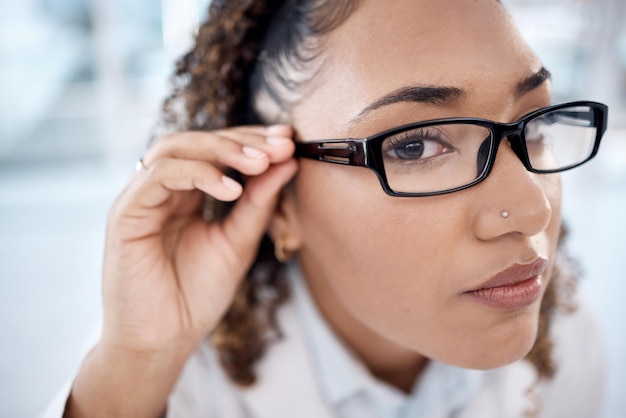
(169, 175)
(278, 129)
(244, 133)
(206, 145)
(253, 129)
(249, 218)
(277, 141)
(215, 150)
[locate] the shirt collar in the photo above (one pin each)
(342, 376)
(339, 372)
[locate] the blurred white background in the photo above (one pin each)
(80, 85)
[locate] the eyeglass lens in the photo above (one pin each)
(446, 156)
(561, 138)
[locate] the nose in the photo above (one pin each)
(526, 198)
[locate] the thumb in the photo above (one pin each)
(248, 220)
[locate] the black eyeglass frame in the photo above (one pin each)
(367, 152)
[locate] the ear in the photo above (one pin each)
(284, 224)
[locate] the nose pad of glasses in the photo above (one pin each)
(515, 142)
(483, 156)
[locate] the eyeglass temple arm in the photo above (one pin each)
(597, 116)
(576, 118)
(350, 152)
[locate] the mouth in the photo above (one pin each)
(516, 287)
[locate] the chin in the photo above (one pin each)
(494, 358)
(495, 347)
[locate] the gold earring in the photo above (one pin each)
(279, 251)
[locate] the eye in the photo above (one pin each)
(415, 146)
(410, 150)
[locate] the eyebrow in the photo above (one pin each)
(532, 82)
(442, 95)
(418, 94)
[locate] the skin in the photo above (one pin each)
(387, 273)
(169, 277)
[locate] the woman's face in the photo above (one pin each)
(400, 269)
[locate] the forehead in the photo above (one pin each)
(383, 46)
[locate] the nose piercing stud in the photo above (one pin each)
(504, 213)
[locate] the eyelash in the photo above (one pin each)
(424, 134)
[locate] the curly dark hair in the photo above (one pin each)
(245, 51)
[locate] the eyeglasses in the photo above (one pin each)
(447, 155)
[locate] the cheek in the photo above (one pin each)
(398, 265)
(383, 258)
(554, 193)
(345, 216)
(551, 185)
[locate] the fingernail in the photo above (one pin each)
(277, 140)
(278, 129)
(253, 152)
(231, 184)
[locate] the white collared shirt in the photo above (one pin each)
(347, 385)
(311, 374)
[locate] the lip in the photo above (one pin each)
(516, 287)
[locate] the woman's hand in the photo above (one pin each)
(169, 276)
